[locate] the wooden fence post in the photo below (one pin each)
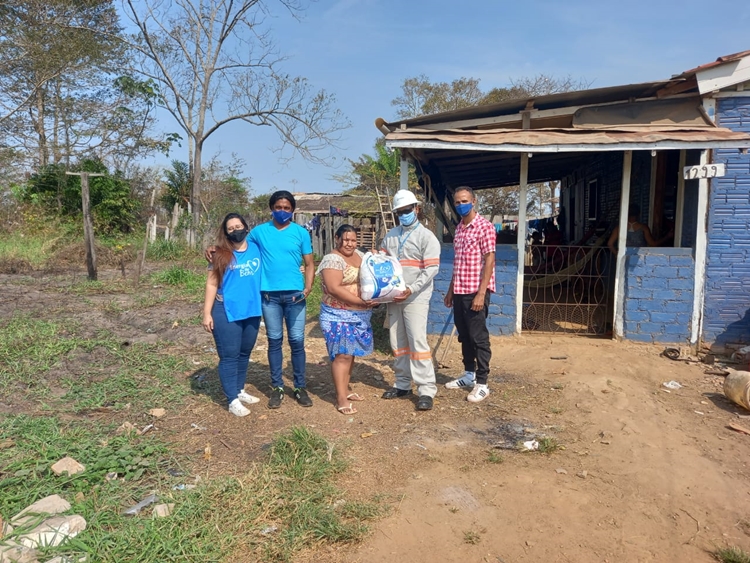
(88, 225)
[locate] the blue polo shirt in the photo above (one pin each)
(240, 288)
(281, 252)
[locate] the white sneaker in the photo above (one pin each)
(247, 398)
(466, 380)
(238, 409)
(479, 393)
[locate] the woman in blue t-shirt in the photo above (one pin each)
(232, 309)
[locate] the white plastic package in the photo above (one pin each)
(381, 278)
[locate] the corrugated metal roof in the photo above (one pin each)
(551, 101)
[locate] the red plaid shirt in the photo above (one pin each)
(470, 244)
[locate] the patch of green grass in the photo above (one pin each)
(471, 537)
(29, 347)
(173, 250)
(19, 246)
(313, 301)
(732, 554)
(180, 276)
(494, 457)
(283, 505)
(143, 377)
(547, 445)
(184, 282)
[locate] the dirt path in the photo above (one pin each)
(644, 475)
(664, 480)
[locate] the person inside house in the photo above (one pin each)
(231, 308)
(418, 251)
(469, 292)
(284, 246)
(344, 316)
(638, 234)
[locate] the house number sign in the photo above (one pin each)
(704, 171)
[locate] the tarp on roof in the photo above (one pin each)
(556, 140)
(678, 113)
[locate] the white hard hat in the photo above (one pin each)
(404, 198)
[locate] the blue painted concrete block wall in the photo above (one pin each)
(726, 318)
(502, 314)
(658, 294)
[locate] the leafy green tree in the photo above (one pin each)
(113, 208)
(177, 182)
(380, 171)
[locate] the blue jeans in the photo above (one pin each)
(234, 342)
(278, 307)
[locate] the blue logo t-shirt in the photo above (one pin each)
(240, 287)
(281, 251)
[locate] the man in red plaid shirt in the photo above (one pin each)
(469, 293)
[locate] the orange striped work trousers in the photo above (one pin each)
(411, 351)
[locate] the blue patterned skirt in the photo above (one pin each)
(346, 331)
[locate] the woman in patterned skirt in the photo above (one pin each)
(344, 316)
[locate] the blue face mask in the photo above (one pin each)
(408, 219)
(464, 208)
(282, 216)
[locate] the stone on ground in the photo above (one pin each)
(53, 504)
(11, 552)
(67, 465)
(162, 510)
(53, 531)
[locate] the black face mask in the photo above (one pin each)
(237, 236)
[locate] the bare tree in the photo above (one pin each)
(215, 63)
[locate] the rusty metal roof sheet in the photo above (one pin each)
(720, 61)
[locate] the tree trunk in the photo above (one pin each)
(195, 194)
(39, 128)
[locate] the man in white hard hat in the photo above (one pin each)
(418, 251)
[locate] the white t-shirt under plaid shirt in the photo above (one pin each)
(470, 244)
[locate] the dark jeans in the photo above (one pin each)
(473, 334)
(288, 307)
(234, 342)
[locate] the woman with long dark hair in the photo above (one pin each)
(344, 316)
(232, 309)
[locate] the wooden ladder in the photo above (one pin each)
(384, 203)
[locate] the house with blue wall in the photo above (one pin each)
(677, 149)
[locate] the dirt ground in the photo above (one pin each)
(643, 474)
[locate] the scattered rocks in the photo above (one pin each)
(162, 510)
(582, 474)
(53, 531)
(53, 504)
(67, 465)
(157, 413)
(561, 471)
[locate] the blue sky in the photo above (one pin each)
(362, 50)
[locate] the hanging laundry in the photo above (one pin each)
(313, 224)
(337, 211)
